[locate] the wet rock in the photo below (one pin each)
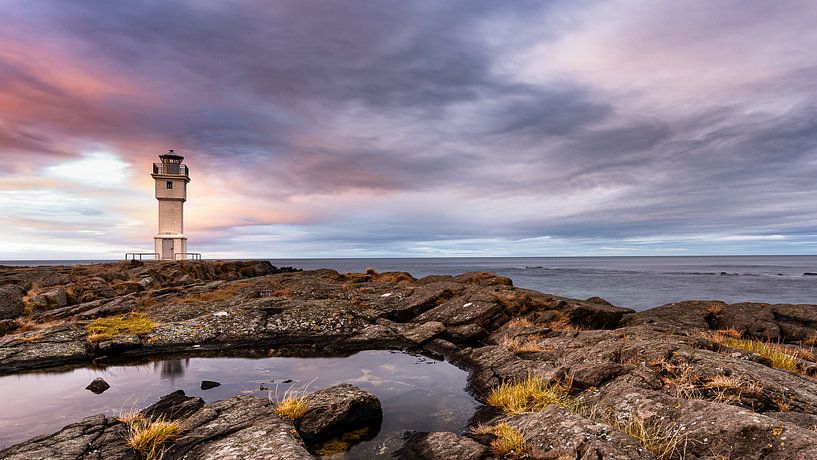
(98, 386)
(336, 409)
(208, 384)
(440, 446)
(11, 301)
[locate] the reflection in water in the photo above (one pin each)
(417, 393)
(171, 368)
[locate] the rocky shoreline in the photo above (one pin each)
(563, 378)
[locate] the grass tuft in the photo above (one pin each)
(531, 395)
(781, 356)
(519, 322)
(106, 328)
(518, 346)
(663, 443)
(150, 437)
(292, 407)
(509, 443)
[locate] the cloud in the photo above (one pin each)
(322, 128)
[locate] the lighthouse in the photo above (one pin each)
(171, 177)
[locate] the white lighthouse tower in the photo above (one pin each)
(171, 177)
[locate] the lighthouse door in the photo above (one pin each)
(167, 249)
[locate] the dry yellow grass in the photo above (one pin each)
(780, 356)
(663, 443)
(106, 328)
(716, 310)
(292, 407)
(519, 346)
(810, 341)
(531, 395)
(519, 322)
(509, 443)
(562, 323)
(682, 380)
(150, 437)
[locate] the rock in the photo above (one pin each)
(483, 279)
(11, 301)
(236, 428)
(208, 384)
(336, 409)
(98, 386)
(598, 301)
(424, 332)
(8, 325)
(440, 446)
(56, 297)
(555, 432)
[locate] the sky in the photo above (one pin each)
(390, 128)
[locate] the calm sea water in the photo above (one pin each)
(636, 282)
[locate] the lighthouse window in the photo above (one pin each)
(170, 185)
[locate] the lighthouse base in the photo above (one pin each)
(170, 247)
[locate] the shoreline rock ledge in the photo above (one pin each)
(558, 377)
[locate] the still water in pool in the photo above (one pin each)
(416, 392)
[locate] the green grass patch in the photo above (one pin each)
(102, 329)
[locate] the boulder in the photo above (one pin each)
(11, 301)
(336, 409)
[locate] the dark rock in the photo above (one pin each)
(336, 409)
(8, 325)
(809, 274)
(440, 446)
(11, 301)
(598, 301)
(98, 386)
(208, 384)
(483, 279)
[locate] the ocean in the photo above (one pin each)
(635, 282)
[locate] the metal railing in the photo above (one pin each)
(132, 255)
(171, 169)
(187, 255)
